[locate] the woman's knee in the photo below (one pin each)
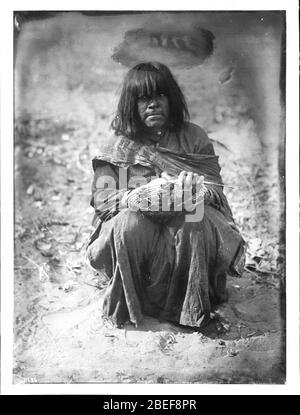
(133, 224)
(98, 253)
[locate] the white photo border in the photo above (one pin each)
(292, 385)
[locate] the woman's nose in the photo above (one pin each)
(154, 103)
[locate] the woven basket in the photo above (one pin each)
(162, 199)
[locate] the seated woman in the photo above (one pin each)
(165, 263)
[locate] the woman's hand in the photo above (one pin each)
(187, 179)
(188, 187)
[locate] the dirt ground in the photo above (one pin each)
(59, 334)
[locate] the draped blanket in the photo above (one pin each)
(174, 270)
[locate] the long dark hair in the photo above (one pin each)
(146, 79)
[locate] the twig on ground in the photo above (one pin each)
(41, 268)
(261, 271)
(71, 270)
(35, 225)
(253, 273)
(31, 261)
(93, 285)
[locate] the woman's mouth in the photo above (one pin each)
(155, 120)
(155, 116)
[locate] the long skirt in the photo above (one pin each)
(174, 271)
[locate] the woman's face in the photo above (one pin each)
(154, 111)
